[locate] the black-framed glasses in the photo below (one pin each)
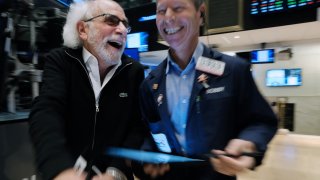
(112, 20)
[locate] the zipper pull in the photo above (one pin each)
(97, 108)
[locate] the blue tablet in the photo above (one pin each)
(148, 157)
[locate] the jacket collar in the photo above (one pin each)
(157, 77)
(207, 52)
(77, 54)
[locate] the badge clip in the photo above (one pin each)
(203, 80)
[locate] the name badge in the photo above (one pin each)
(211, 66)
(215, 90)
(123, 95)
(162, 142)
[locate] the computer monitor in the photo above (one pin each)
(284, 77)
(262, 56)
(133, 53)
(138, 40)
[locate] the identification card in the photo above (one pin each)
(162, 142)
(211, 66)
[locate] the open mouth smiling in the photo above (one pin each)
(115, 44)
(170, 31)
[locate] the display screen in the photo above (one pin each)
(142, 19)
(284, 77)
(138, 40)
(262, 56)
(66, 2)
(133, 53)
(148, 157)
(268, 6)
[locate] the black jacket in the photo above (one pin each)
(65, 121)
(230, 107)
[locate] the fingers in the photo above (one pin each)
(231, 165)
(164, 168)
(71, 174)
(104, 176)
(238, 146)
(155, 170)
(226, 165)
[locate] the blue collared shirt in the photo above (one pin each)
(179, 83)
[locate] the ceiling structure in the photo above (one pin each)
(281, 35)
(60, 3)
(232, 40)
(133, 3)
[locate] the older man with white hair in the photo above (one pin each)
(89, 97)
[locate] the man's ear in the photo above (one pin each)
(203, 16)
(202, 9)
(82, 30)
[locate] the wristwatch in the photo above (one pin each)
(116, 173)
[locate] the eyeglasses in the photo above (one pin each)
(112, 20)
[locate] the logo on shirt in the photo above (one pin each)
(160, 99)
(123, 95)
(155, 86)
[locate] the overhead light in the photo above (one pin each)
(237, 37)
(147, 18)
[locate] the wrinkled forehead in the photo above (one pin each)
(196, 3)
(108, 6)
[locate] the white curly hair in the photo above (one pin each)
(78, 11)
